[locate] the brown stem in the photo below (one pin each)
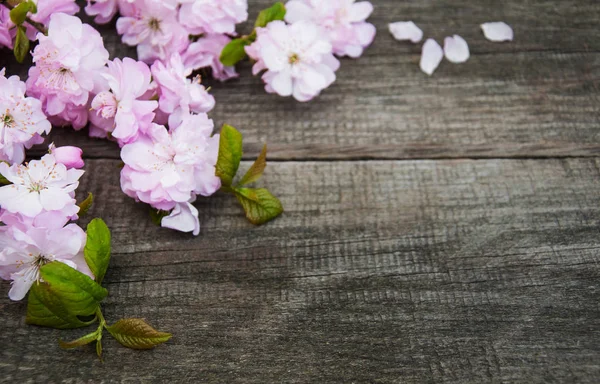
(39, 26)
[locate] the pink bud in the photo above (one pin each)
(67, 155)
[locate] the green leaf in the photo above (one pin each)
(86, 204)
(79, 294)
(97, 248)
(137, 334)
(3, 181)
(19, 13)
(45, 308)
(230, 154)
(157, 215)
(276, 12)
(259, 204)
(21, 46)
(256, 171)
(234, 52)
(84, 340)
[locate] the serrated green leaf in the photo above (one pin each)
(230, 154)
(275, 12)
(21, 45)
(259, 204)
(137, 334)
(19, 13)
(97, 248)
(157, 215)
(86, 204)
(256, 171)
(45, 308)
(234, 52)
(84, 340)
(79, 294)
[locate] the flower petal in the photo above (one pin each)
(431, 56)
(456, 49)
(497, 31)
(406, 30)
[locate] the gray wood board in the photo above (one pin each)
(463, 271)
(534, 97)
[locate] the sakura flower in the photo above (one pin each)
(41, 185)
(103, 10)
(22, 121)
(46, 219)
(406, 30)
(344, 22)
(456, 49)
(6, 38)
(24, 252)
(153, 27)
(170, 167)
(431, 57)
(68, 156)
(176, 92)
(206, 52)
(68, 63)
(298, 61)
(213, 16)
(123, 112)
(497, 31)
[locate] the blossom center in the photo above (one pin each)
(294, 58)
(154, 24)
(8, 120)
(41, 260)
(36, 187)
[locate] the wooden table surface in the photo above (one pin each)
(441, 229)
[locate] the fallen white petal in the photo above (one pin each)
(431, 57)
(497, 31)
(456, 49)
(406, 30)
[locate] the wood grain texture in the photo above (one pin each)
(381, 271)
(534, 97)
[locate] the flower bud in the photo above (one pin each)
(69, 156)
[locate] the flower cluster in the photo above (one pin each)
(131, 103)
(45, 9)
(196, 30)
(298, 58)
(36, 209)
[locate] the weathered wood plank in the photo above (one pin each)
(414, 271)
(535, 97)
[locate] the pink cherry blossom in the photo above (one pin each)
(298, 61)
(38, 186)
(123, 112)
(178, 93)
(68, 156)
(6, 37)
(25, 251)
(213, 16)
(205, 53)
(103, 10)
(22, 121)
(171, 167)
(153, 27)
(344, 21)
(67, 71)
(46, 219)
